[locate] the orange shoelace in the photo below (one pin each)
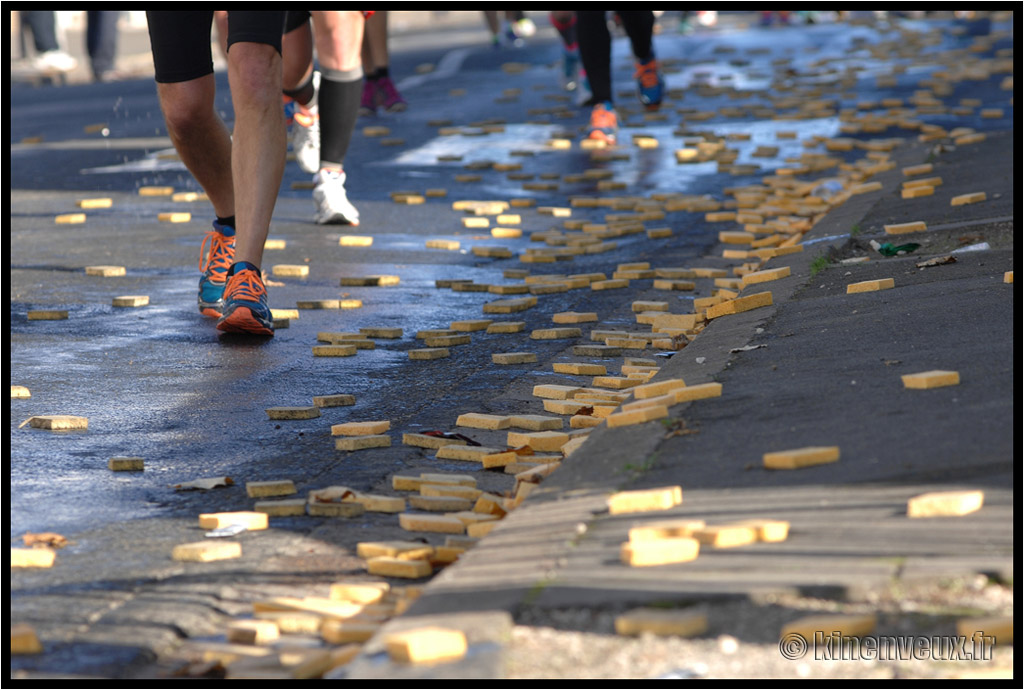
(647, 74)
(220, 254)
(245, 285)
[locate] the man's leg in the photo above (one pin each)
(185, 85)
(339, 39)
(43, 25)
(376, 64)
(199, 136)
(257, 161)
(639, 27)
(299, 83)
(204, 146)
(297, 62)
(596, 53)
(258, 152)
(101, 40)
(565, 23)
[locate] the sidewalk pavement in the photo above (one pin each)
(819, 367)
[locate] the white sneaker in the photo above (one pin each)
(54, 60)
(306, 132)
(332, 204)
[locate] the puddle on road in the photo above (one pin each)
(649, 170)
(718, 75)
(494, 146)
(157, 161)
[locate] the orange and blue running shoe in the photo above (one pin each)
(604, 123)
(649, 84)
(245, 302)
(214, 264)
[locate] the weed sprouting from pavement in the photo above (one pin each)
(640, 468)
(819, 265)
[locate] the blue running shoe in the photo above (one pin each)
(245, 303)
(214, 264)
(649, 83)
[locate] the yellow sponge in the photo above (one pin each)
(801, 457)
(426, 645)
(945, 503)
(659, 551)
(931, 379)
(644, 500)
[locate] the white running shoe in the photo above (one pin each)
(332, 204)
(306, 132)
(54, 61)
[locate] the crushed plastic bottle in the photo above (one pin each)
(889, 249)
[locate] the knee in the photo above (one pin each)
(186, 107)
(254, 70)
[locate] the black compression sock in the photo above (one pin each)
(340, 94)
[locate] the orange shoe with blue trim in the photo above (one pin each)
(245, 303)
(216, 255)
(650, 87)
(604, 124)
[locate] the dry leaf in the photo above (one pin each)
(937, 261)
(333, 494)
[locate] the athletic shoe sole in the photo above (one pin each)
(336, 219)
(242, 320)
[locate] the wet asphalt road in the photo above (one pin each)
(156, 382)
(159, 383)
